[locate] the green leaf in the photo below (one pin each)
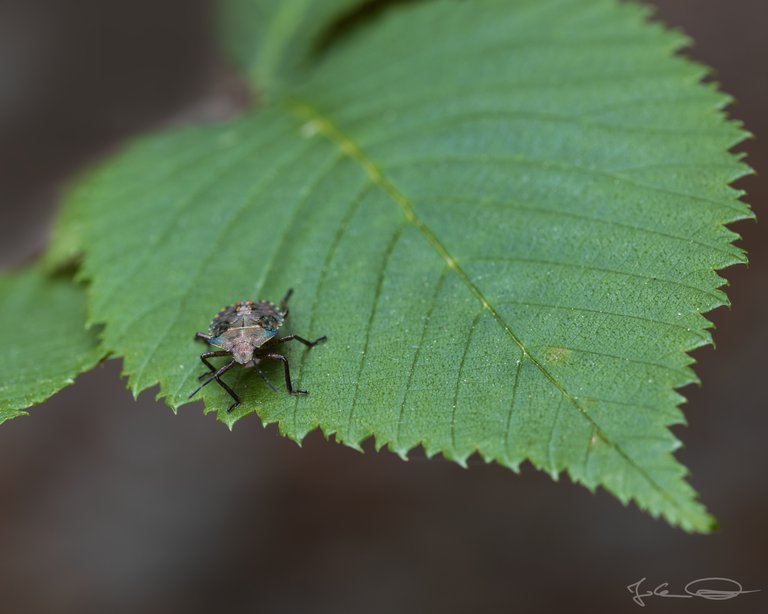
(65, 246)
(46, 343)
(505, 216)
(272, 40)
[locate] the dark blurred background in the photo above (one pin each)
(111, 505)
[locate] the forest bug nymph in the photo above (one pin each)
(247, 332)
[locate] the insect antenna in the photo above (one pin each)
(201, 386)
(266, 379)
(284, 301)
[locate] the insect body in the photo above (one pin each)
(247, 331)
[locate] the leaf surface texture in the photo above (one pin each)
(506, 217)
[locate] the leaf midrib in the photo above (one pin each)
(321, 124)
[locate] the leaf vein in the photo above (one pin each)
(550, 165)
(454, 405)
(469, 117)
(376, 298)
(417, 353)
(602, 312)
(592, 267)
(551, 439)
(355, 204)
(508, 429)
(518, 205)
(636, 361)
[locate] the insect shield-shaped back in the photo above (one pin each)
(242, 328)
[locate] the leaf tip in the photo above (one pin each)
(351, 443)
(401, 451)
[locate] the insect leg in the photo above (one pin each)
(231, 393)
(287, 373)
(306, 342)
(202, 336)
(204, 356)
(215, 376)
